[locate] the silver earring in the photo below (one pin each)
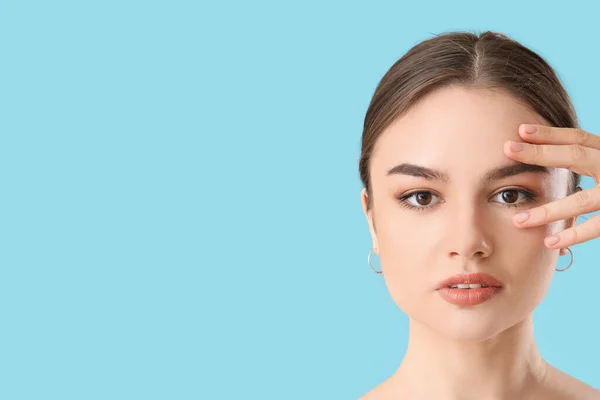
(369, 261)
(568, 266)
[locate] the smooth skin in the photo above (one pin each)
(576, 150)
(425, 230)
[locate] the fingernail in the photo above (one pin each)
(516, 146)
(552, 240)
(530, 129)
(520, 217)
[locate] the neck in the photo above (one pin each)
(507, 366)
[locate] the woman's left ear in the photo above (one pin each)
(570, 223)
(573, 220)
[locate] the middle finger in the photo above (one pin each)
(579, 159)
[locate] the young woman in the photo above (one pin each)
(471, 161)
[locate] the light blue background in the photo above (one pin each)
(180, 195)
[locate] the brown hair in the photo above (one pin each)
(489, 60)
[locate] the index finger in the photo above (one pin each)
(555, 135)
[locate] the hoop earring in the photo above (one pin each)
(568, 266)
(369, 261)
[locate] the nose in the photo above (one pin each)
(468, 233)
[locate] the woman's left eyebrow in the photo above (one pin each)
(506, 171)
(432, 174)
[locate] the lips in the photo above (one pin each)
(478, 278)
(469, 289)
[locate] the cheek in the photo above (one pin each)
(530, 280)
(524, 257)
(406, 283)
(528, 266)
(506, 235)
(404, 257)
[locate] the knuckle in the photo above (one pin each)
(597, 227)
(544, 214)
(584, 200)
(575, 235)
(594, 154)
(578, 152)
(579, 135)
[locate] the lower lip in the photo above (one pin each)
(468, 297)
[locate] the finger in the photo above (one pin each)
(554, 135)
(579, 159)
(589, 230)
(583, 202)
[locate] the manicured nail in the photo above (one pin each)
(516, 146)
(530, 129)
(521, 217)
(552, 240)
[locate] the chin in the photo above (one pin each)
(470, 325)
(473, 333)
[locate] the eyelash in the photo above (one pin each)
(529, 197)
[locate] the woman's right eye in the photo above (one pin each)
(420, 200)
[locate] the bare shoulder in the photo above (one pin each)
(379, 392)
(558, 386)
(373, 394)
(567, 387)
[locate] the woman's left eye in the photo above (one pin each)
(511, 197)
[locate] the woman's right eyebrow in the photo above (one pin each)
(432, 174)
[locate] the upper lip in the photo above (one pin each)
(476, 278)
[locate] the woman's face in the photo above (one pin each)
(464, 224)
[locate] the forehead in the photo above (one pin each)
(454, 127)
